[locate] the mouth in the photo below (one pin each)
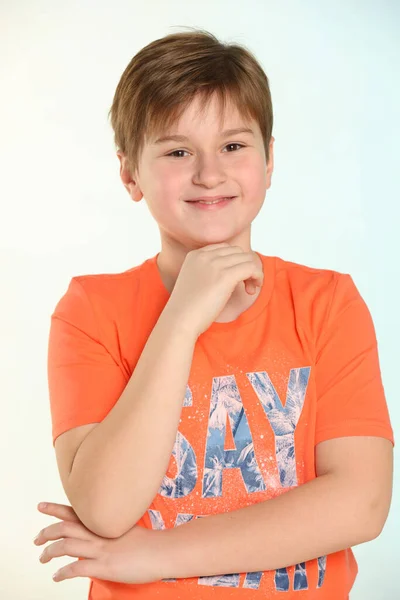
(214, 204)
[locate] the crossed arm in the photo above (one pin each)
(347, 504)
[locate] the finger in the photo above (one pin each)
(215, 246)
(250, 287)
(60, 511)
(257, 280)
(254, 282)
(80, 568)
(61, 530)
(69, 547)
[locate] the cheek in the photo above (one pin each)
(168, 177)
(166, 191)
(252, 177)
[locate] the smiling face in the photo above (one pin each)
(204, 162)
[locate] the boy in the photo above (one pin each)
(260, 375)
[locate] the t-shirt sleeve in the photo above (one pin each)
(84, 379)
(350, 393)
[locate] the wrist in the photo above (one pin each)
(177, 324)
(163, 556)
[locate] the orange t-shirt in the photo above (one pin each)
(298, 367)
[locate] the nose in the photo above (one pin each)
(209, 171)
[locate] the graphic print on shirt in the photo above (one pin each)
(226, 403)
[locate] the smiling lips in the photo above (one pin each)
(209, 200)
(213, 204)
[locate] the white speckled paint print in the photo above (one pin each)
(226, 408)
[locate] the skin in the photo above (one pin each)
(354, 475)
(126, 559)
(353, 485)
(207, 165)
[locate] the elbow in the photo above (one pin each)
(100, 512)
(373, 531)
(379, 512)
(101, 525)
(377, 524)
(373, 523)
(102, 520)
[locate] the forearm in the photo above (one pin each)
(320, 517)
(119, 466)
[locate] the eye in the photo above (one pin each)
(176, 151)
(234, 144)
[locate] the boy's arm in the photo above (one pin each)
(345, 505)
(119, 466)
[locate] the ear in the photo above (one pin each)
(130, 182)
(270, 164)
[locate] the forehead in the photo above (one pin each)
(174, 137)
(212, 108)
(199, 112)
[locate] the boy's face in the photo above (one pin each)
(208, 164)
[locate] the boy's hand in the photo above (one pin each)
(131, 558)
(207, 280)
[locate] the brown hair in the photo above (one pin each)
(163, 77)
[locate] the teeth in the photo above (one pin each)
(212, 202)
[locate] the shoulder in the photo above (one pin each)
(105, 288)
(306, 284)
(314, 295)
(315, 281)
(305, 275)
(108, 282)
(93, 298)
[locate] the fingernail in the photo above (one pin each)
(35, 539)
(43, 505)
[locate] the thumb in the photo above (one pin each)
(250, 287)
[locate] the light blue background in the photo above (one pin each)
(334, 202)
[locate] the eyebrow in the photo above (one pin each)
(183, 138)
